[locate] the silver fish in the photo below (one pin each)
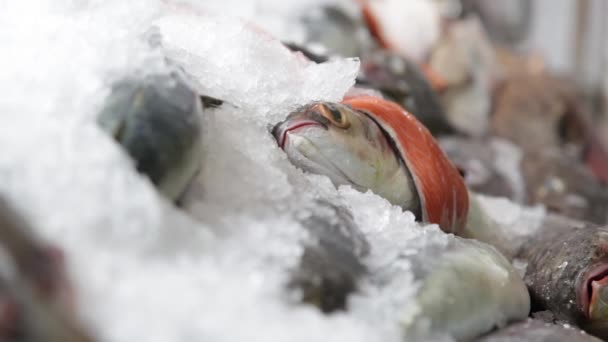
(567, 272)
(467, 288)
(351, 147)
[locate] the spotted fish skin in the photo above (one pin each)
(564, 259)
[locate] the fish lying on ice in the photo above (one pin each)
(156, 120)
(465, 287)
(567, 272)
(373, 144)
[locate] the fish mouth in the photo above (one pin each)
(281, 133)
(309, 157)
(594, 296)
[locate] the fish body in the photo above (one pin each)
(374, 144)
(467, 288)
(567, 273)
(533, 330)
(156, 120)
(464, 287)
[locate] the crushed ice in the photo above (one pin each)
(144, 270)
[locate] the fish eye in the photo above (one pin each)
(334, 115)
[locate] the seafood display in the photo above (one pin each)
(156, 120)
(298, 171)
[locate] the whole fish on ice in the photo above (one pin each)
(373, 144)
(567, 272)
(467, 289)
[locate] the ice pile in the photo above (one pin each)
(143, 269)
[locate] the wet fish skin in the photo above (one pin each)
(353, 150)
(534, 330)
(156, 120)
(467, 288)
(561, 259)
(331, 266)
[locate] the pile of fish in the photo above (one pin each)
(434, 123)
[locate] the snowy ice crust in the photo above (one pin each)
(143, 269)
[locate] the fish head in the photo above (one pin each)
(155, 120)
(348, 146)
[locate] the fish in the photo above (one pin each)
(403, 81)
(374, 144)
(370, 143)
(331, 266)
(156, 120)
(464, 287)
(567, 272)
(467, 288)
(534, 330)
(37, 301)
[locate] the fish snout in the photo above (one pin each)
(282, 131)
(594, 294)
(598, 304)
